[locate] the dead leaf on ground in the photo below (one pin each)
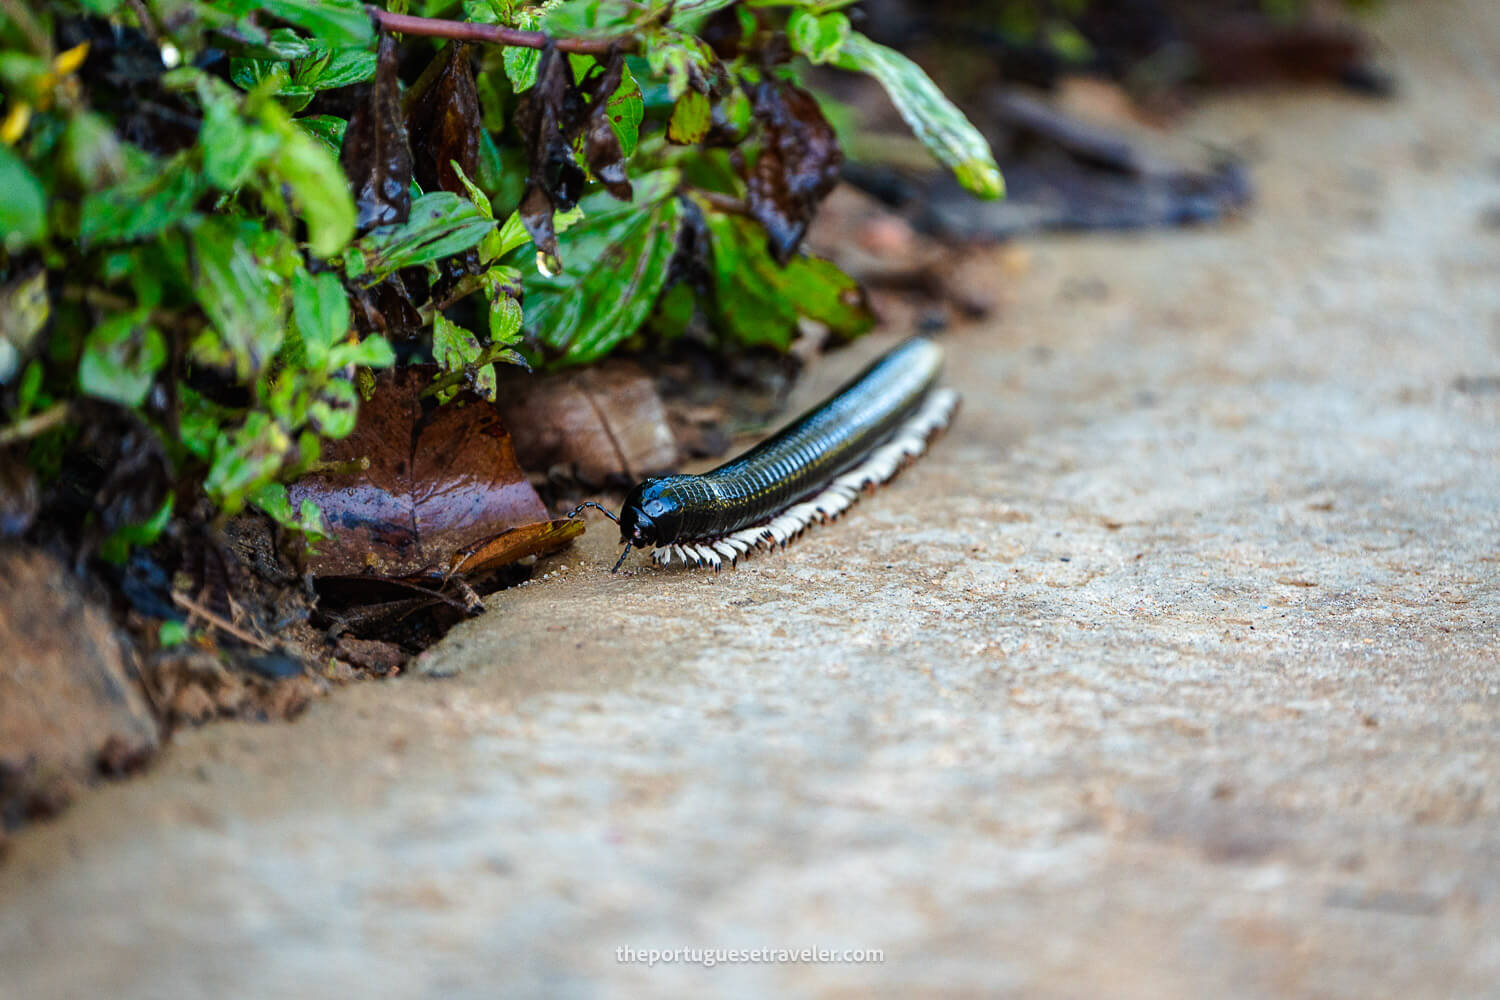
(443, 485)
(605, 422)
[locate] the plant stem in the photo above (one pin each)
(455, 379)
(24, 430)
(494, 34)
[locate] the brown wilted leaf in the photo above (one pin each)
(547, 119)
(442, 484)
(601, 146)
(601, 423)
(797, 167)
(376, 154)
(443, 124)
(550, 117)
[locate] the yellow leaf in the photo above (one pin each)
(68, 62)
(15, 123)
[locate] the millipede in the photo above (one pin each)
(811, 471)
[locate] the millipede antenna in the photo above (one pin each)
(589, 503)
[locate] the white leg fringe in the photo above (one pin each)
(909, 441)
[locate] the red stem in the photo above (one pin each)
(494, 34)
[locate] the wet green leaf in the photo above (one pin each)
(243, 299)
(143, 205)
(441, 224)
(334, 22)
(320, 308)
(320, 192)
(327, 129)
(626, 110)
(121, 358)
(757, 302)
(245, 459)
(616, 264)
(454, 349)
(942, 128)
(320, 69)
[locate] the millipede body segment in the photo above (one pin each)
(812, 470)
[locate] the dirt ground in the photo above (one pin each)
(1174, 670)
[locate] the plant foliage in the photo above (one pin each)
(216, 216)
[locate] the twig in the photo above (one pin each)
(188, 604)
(494, 34)
(37, 423)
(724, 203)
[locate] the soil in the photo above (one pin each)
(1173, 670)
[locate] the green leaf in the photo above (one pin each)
(685, 61)
(121, 358)
(245, 459)
(335, 23)
(520, 63)
(373, 351)
(691, 116)
(232, 148)
(626, 110)
(321, 310)
(23, 207)
(327, 129)
(272, 499)
(116, 548)
(320, 190)
(454, 349)
(144, 204)
(302, 77)
(756, 302)
(617, 262)
(172, 633)
(334, 411)
(817, 36)
(501, 284)
(942, 128)
(441, 224)
(242, 298)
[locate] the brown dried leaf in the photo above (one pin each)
(376, 154)
(797, 167)
(443, 482)
(518, 543)
(605, 422)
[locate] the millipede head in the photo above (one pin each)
(652, 516)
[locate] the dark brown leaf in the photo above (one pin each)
(443, 124)
(601, 146)
(443, 482)
(548, 117)
(797, 167)
(602, 423)
(376, 154)
(387, 309)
